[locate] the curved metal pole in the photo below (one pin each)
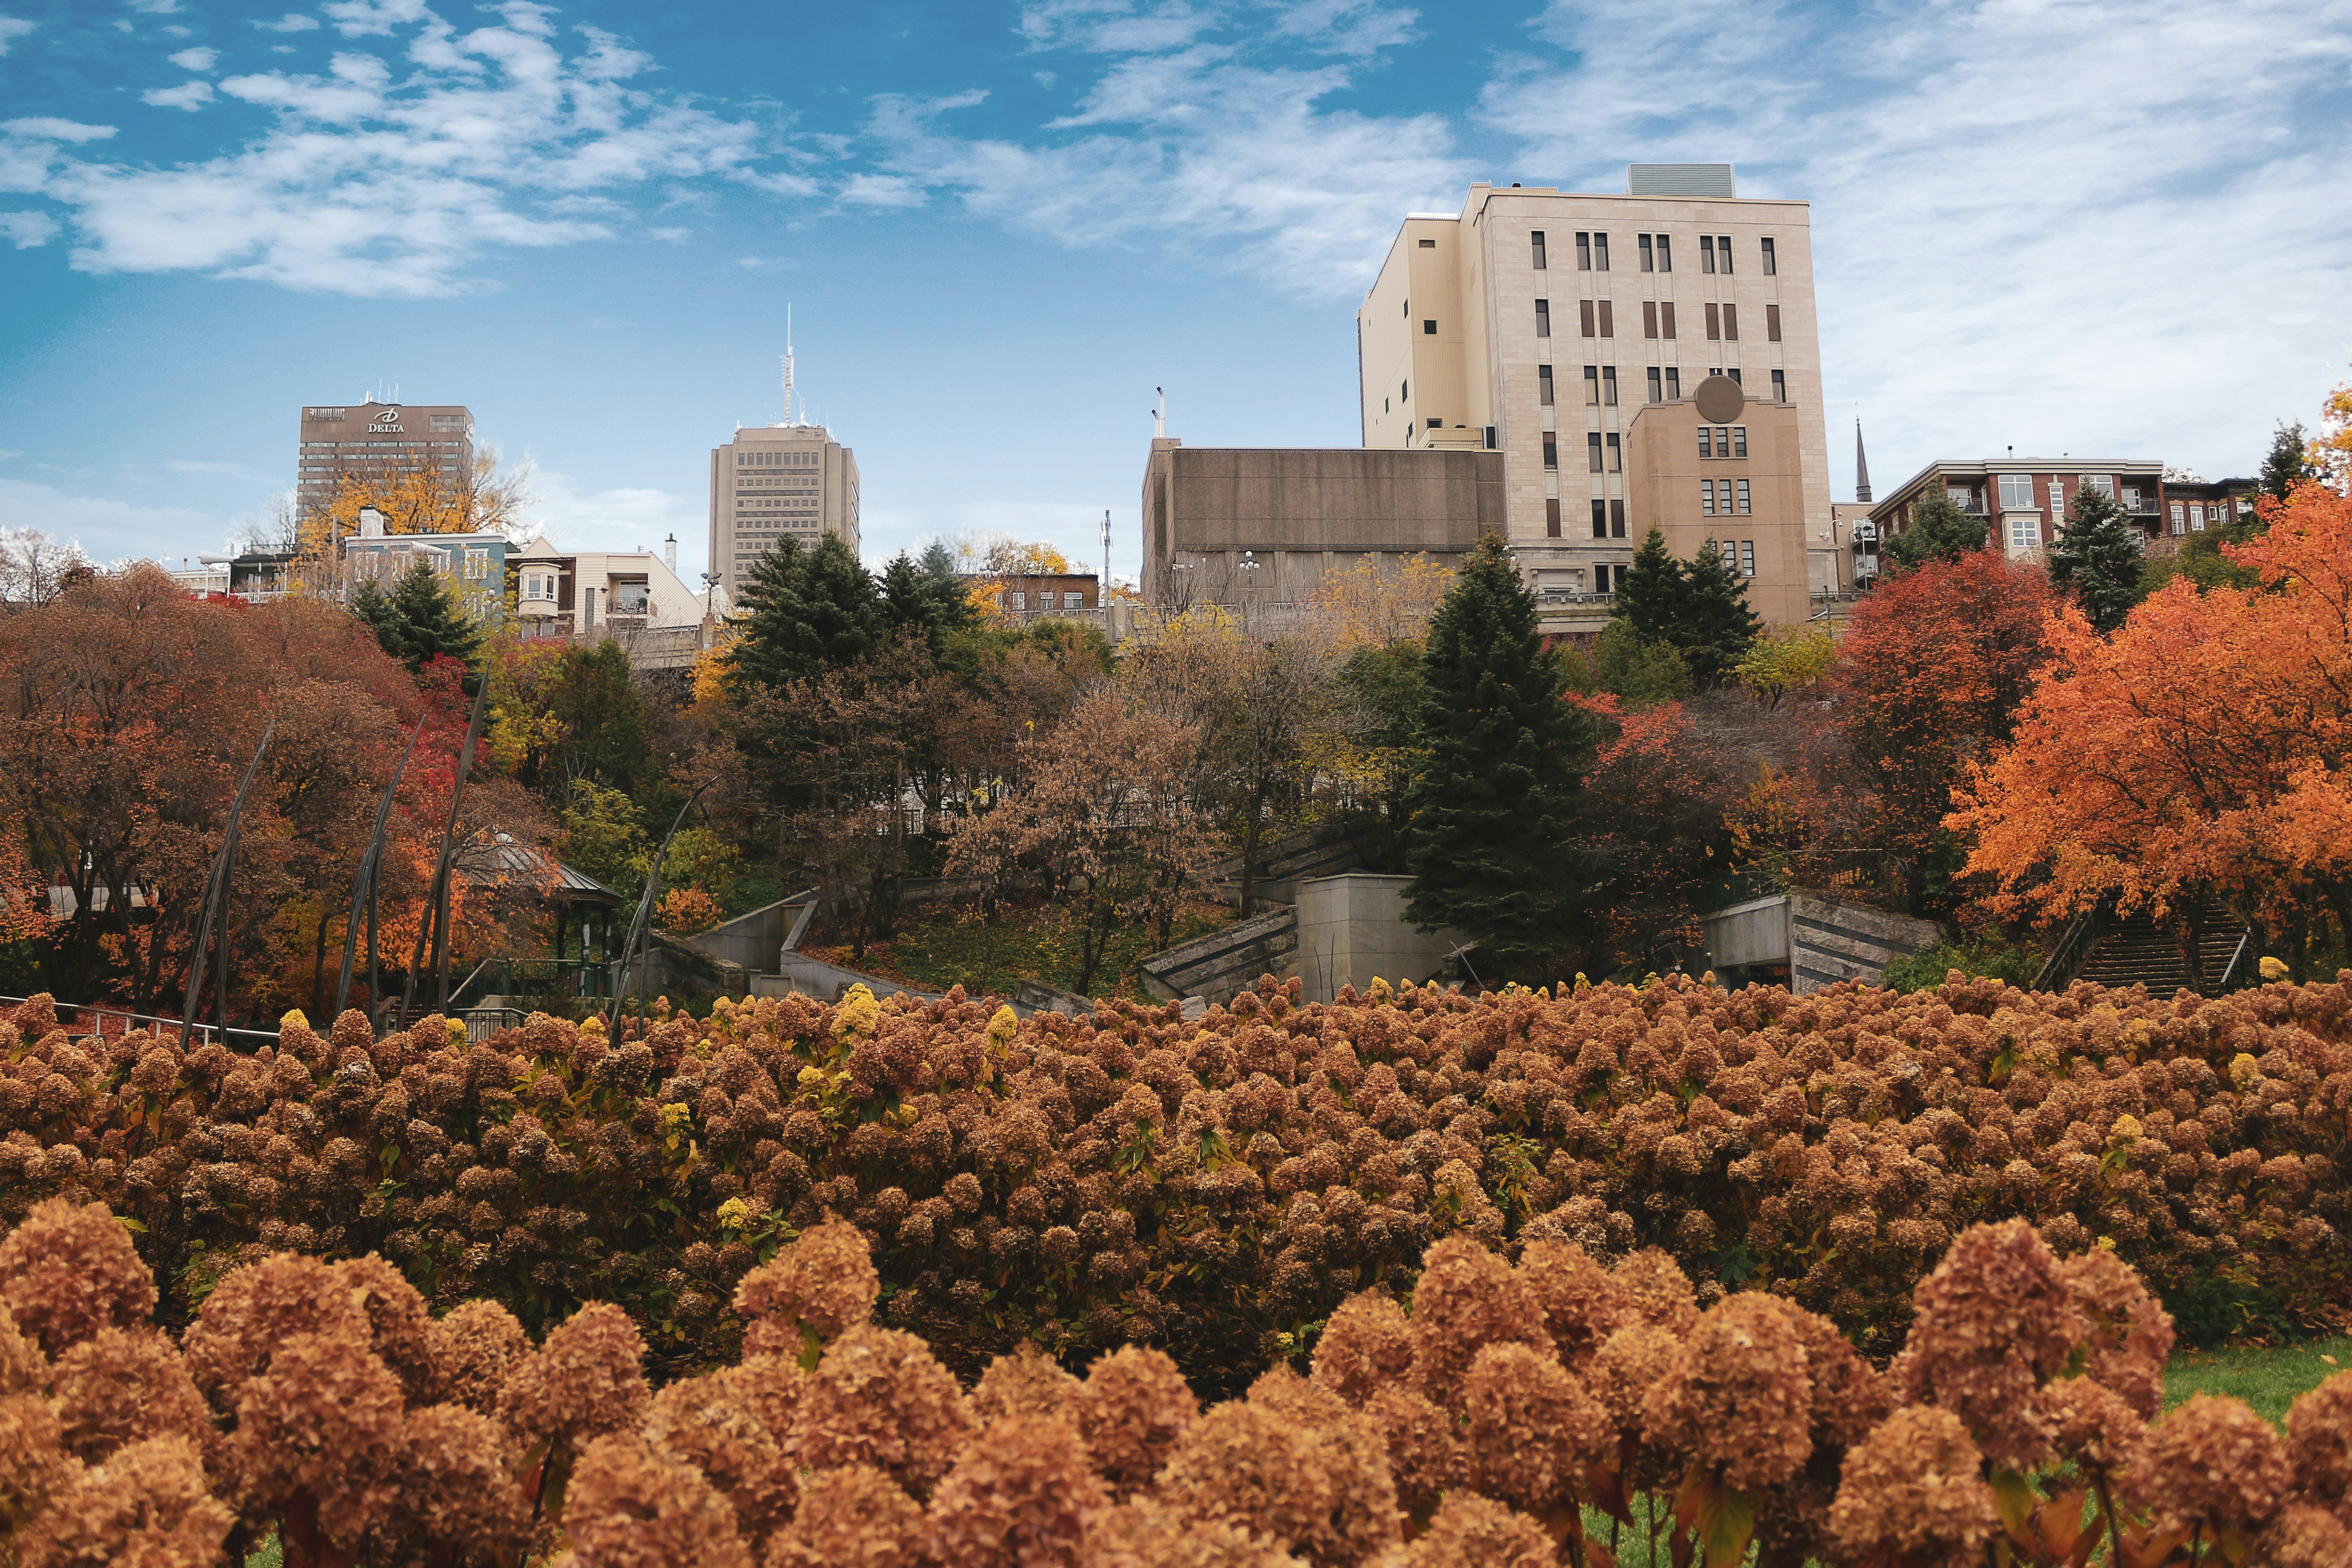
(645, 904)
(364, 879)
(216, 894)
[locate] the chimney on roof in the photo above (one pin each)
(371, 523)
(669, 554)
(1861, 467)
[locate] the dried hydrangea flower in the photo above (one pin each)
(1532, 1429)
(2319, 1442)
(23, 1368)
(1366, 1346)
(1026, 1382)
(1133, 1410)
(2130, 1334)
(1630, 1364)
(1468, 1298)
(1583, 1302)
(628, 1507)
(824, 1282)
(1849, 1395)
(1473, 1531)
(32, 1456)
(69, 1270)
(853, 1515)
(1253, 1470)
(475, 1347)
(587, 1380)
(122, 1387)
(255, 1309)
(716, 1423)
(1144, 1532)
(2211, 1462)
(879, 1398)
(2091, 1425)
(1425, 1453)
(1996, 1318)
(1353, 1459)
(320, 1432)
(400, 1325)
(146, 1507)
(1914, 1491)
(1739, 1397)
(456, 1494)
(1657, 1291)
(1022, 1496)
(2305, 1536)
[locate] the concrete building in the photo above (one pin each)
(569, 593)
(1264, 525)
(1043, 593)
(2024, 499)
(473, 564)
(1459, 343)
(375, 440)
(778, 481)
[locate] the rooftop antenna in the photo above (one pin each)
(788, 366)
(1103, 588)
(1159, 415)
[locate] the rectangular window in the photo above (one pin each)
(1649, 317)
(1600, 519)
(2196, 517)
(1666, 254)
(2103, 483)
(1738, 440)
(1601, 252)
(2024, 533)
(1655, 385)
(1429, 328)
(1674, 380)
(1747, 552)
(1723, 252)
(1592, 384)
(1714, 323)
(1734, 373)
(1743, 495)
(1608, 324)
(2180, 519)
(1616, 519)
(1642, 242)
(1551, 517)
(1779, 387)
(1438, 423)
(1537, 239)
(2057, 498)
(1616, 454)
(1706, 440)
(1707, 496)
(2016, 491)
(1583, 250)
(1772, 323)
(1543, 318)
(1593, 449)
(1551, 450)
(1019, 601)
(1706, 253)
(1584, 313)
(1771, 260)
(1667, 318)
(1543, 386)
(1608, 386)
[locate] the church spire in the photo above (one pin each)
(1861, 467)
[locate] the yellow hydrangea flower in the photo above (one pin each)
(294, 1019)
(1001, 1026)
(675, 1117)
(2272, 968)
(859, 1014)
(2126, 1129)
(2244, 1069)
(1382, 992)
(734, 1214)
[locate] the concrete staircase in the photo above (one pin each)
(2118, 952)
(1227, 961)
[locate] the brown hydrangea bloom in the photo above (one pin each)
(1352, 1457)
(825, 1282)
(1849, 1395)
(1657, 1291)
(475, 1347)
(1913, 1490)
(1739, 1397)
(855, 1515)
(120, 1388)
(628, 1507)
(456, 1494)
(320, 1429)
(1254, 1470)
(2305, 1536)
(255, 1309)
(1144, 1532)
(1583, 1302)
(2212, 1461)
(1427, 1457)
(1468, 1298)
(1473, 1531)
(70, 1270)
(587, 1380)
(1630, 1364)
(1023, 1496)
(2130, 1333)
(23, 1368)
(1366, 1346)
(401, 1326)
(879, 1398)
(2090, 1427)
(1133, 1410)
(146, 1507)
(31, 1456)
(709, 1422)
(2319, 1443)
(1995, 1319)
(1533, 1429)
(1026, 1382)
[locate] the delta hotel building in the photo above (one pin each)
(373, 440)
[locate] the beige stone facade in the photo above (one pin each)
(1565, 330)
(375, 440)
(778, 481)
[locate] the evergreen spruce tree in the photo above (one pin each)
(2286, 465)
(919, 602)
(938, 563)
(1490, 814)
(2098, 557)
(420, 619)
(1938, 530)
(1716, 625)
(1650, 598)
(802, 609)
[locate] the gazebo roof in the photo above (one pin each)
(559, 883)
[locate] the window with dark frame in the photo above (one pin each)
(1543, 318)
(1779, 387)
(1649, 317)
(1746, 555)
(1706, 498)
(1584, 315)
(1642, 242)
(1600, 252)
(1609, 386)
(1772, 323)
(1743, 495)
(1616, 453)
(1656, 386)
(1714, 323)
(1600, 519)
(1666, 254)
(1667, 318)
(1674, 380)
(1607, 323)
(1543, 386)
(1706, 440)
(1771, 261)
(1592, 385)
(1584, 250)
(1616, 519)
(1739, 440)
(1432, 245)
(1593, 448)
(1551, 517)
(1428, 329)
(1723, 253)
(1706, 253)
(1730, 323)
(1551, 450)
(1536, 239)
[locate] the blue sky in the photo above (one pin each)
(2062, 225)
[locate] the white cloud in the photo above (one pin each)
(47, 129)
(11, 28)
(373, 182)
(156, 7)
(1356, 27)
(2060, 226)
(1114, 26)
(107, 529)
(26, 230)
(292, 22)
(199, 60)
(577, 518)
(191, 96)
(881, 190)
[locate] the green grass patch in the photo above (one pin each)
(937, 948)
(2268, 1378)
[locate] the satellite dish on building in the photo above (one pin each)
(1719, 399)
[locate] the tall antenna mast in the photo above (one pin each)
(788, 366)
(1102, 589)
(1160, 414)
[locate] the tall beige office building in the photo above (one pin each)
(374, 440)
(1573, 332)
(778, 481)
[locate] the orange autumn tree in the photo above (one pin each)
(2203, 747)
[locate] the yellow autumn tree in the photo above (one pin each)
(485, 498)
(1365, 606)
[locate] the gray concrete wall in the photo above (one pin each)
(1754, 933)
(1227, 961)
(1830, 941)
(1352, 929)
(805, 976)
(753, 940)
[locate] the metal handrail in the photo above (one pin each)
(2066, 959)
(74, 1012)
(2230, 977)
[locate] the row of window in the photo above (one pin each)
(1665, 386)
(1604, 451)
(2188, 517)
(1731, 502)
(1656, 251)
(1598, 319)
(1723, 441)
(776, 459)
(1020, 601)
